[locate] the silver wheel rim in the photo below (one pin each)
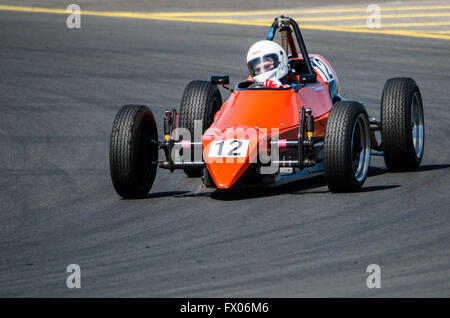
(417, 124)
(360, 148)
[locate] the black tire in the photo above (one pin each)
(401, 106)
(132, 155)
(345, 165)
(201, 100)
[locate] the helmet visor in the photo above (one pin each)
(263, 64)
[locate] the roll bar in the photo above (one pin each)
(285, 24)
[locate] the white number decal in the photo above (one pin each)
(228, 148)
(322, 68)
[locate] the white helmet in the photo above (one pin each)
(267, 60)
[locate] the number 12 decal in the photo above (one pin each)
(228, 148)
(322, 68)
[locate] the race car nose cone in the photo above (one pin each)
(227, 156)
(226, 174)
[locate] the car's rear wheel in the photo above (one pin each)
(201, 100)
(402, 125)
(347, 147)
(133, 152)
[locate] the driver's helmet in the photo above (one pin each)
(267, 60)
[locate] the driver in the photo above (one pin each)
(268, 64)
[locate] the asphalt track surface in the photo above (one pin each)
(59, 92)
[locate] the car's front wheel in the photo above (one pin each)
(201, 100)
(133, 152)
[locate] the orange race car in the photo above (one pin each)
(295, 127)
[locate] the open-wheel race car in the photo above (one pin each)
(264, 136)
